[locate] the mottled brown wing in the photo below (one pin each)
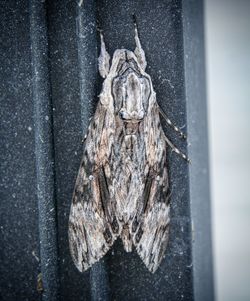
(90, 233)
(152, 232)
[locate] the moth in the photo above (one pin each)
(122, 187)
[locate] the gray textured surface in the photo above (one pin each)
(68, 134)
(44, 150)
(19, 234)
(74, 86)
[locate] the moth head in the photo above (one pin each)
(104, 57)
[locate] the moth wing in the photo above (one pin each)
(90, 233)
(152, 233)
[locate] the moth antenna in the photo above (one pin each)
(98, 26)
(176, 150)
(174, 127)
(139, 52)
(104, 57)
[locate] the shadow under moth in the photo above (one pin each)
(122, 187)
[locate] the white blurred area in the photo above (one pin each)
(227, 25)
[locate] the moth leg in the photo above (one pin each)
(84, 139)
(176, 150)
(103, 60)
(174, 127)
(85, 136)
(139, 52)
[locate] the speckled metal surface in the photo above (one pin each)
(75, 84)
(44, 150)
(19, 231)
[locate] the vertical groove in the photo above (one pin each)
(44, 150)
(87, 59)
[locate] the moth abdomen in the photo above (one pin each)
(126, 238)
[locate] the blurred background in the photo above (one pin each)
(227, 24)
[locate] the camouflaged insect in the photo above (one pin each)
(122, 188)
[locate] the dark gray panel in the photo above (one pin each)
(44, 150)
(68, 133)
(19, 240)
